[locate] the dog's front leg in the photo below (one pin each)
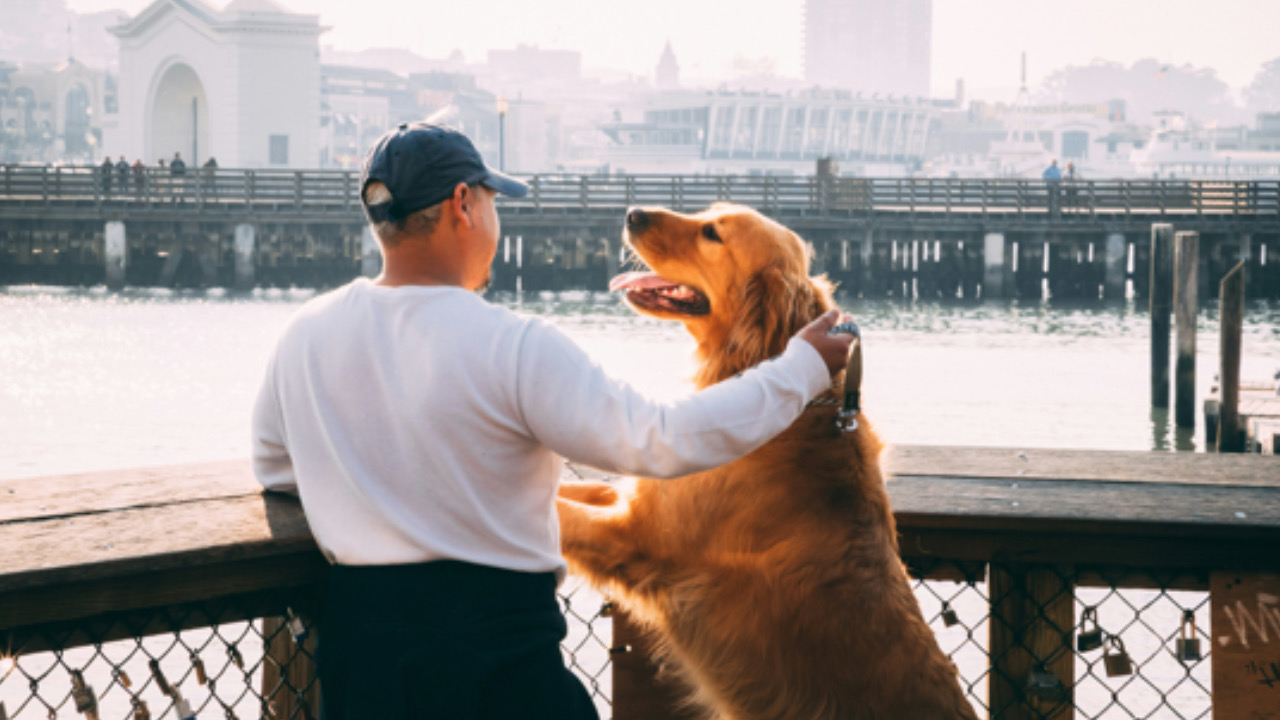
(598, 537)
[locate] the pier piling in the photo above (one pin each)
(115, 252)
(993, 262)
(245, 242)
(1117, 257)
(1185, 300)
(1230, 323)
(1161, 291)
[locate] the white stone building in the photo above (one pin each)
(241, 84)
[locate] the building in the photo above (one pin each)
(763, 133)
(51, 112)
(667, 74)
(241, 85)
(869, 46)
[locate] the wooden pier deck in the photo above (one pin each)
(84, 549)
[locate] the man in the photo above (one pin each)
(423, 430)
(1053, 177)
(106, 169)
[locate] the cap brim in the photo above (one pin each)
(504, 184)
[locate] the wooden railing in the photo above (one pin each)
(1017, 542)
(336, 192)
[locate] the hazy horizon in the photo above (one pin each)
(980, 41)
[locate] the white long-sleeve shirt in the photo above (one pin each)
(423, 423)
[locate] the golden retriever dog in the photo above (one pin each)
(773, 584)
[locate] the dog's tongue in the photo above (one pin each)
(638, 281)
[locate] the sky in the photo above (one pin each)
(977, 40)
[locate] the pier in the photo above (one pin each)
(927, 238)
(194, 567)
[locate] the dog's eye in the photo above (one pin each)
(709, 232)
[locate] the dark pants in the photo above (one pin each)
(446, 640)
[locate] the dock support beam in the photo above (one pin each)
(370, 253)
(865, 279)
(1185, 301)
(245, 243)
(1230, 325)
(993, 262)
(116, 253)
(1117, 260)
(1161, 307)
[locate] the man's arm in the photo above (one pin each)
(571, 406)
(271, 462)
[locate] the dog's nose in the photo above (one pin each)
(637, 219)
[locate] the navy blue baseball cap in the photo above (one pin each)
(421, 164)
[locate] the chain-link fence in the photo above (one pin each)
(1029, 642)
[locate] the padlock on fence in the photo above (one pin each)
(1044, 685)
(1090, 635)
(83, 695)
(233, 652)
(949, 617)
(161, 681)
(296, 628)
(1117, 662)
(606, 609)
(198, 665)
(140, 710)
(1188, 645)
(123, 677)
(182, 707)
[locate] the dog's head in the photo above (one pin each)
(737, 280)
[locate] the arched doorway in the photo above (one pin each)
(75, 130)
(179, 117)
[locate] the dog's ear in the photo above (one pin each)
(771, 308)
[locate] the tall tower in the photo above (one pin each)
(667, 76)
(871, 46)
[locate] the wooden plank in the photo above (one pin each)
(1036, 505)
(149, 539)
(63, 495)
(1230, 327)
(1245, 635)
(1109, 465)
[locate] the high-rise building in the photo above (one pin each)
(869, 46)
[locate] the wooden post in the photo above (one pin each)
(286, 670)
(865, 274)
(1031, 628)
(115, 253)
(370, 253)
(245, 242)
(1186, 261)
(993, 261)
(1230, 322)
(1161, 309)
(1117, 258)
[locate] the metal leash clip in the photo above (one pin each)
(847, 418)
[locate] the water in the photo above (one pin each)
(95, 380)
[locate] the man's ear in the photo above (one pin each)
(461, 202)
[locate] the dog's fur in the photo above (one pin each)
(773, 583)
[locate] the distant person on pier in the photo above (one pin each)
(139, 176)
(177, 169)
(107, 169)
(1053, 178)
(122, 175)
(209, 172)
(424, 429)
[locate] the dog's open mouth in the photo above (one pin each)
(650, 291)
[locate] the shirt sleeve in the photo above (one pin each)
(271, 462)
(571, 406)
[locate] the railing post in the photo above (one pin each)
(297, 190)
(1230, 322)
(44, 183)
(1031, 627)
(584, 192)
(284, 693)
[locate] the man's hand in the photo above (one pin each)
(834, 349)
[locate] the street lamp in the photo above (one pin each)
(502, 134)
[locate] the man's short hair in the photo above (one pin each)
(421, 223)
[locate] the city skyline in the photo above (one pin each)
(980, 42)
